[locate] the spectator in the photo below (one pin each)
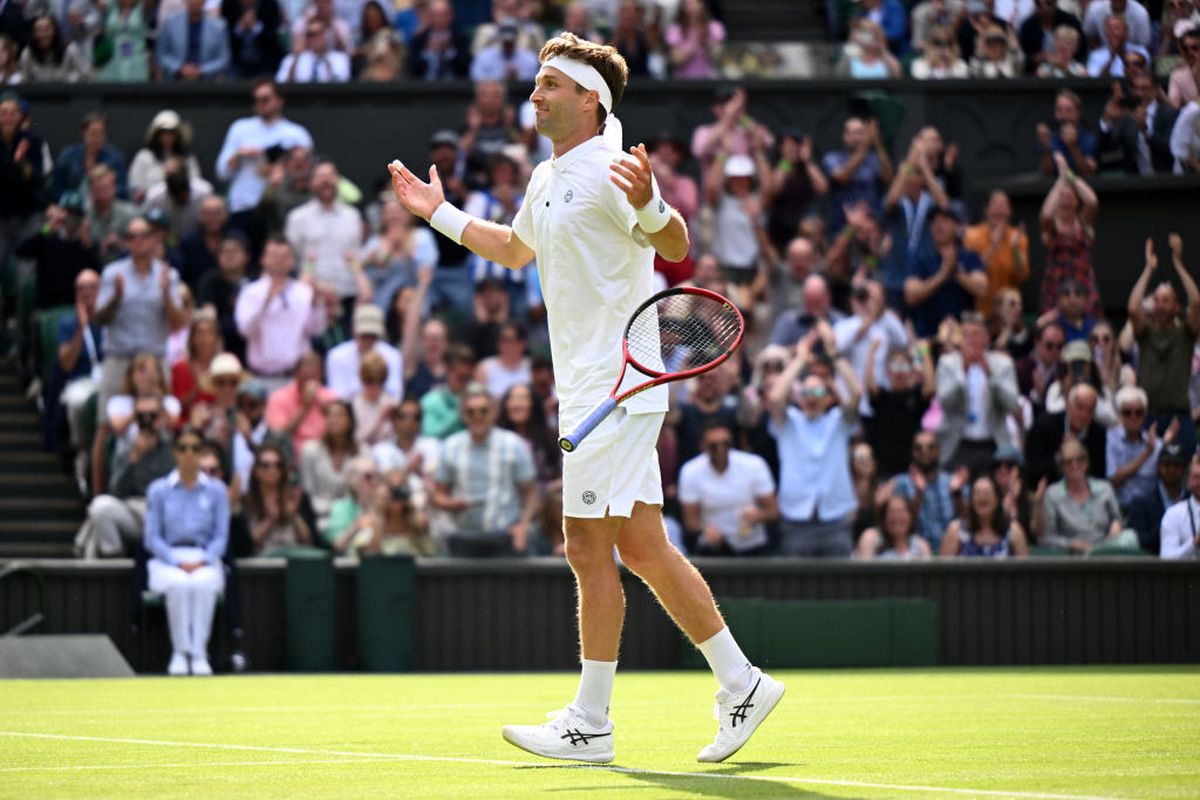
(522, 412)
(892, 19)
(79, 355)
(327, 233)
(734, 130)
(1017, 502)
(914, 193)
(187, 531)
(491, 310)
(1165, 341)
(296, 410)
(1109, 60)
(1132, 452)
(144, 378)
(49, 58)
(192, 45)
(218, 419)
(408, 449)
(632, 37)
(251, 415)
(899, 405)
(337, 32)
(858, 172)
(394, 260)
(946, 279)
(10, 61)
(1080, 512)
(219, 289)
(254, 47)
(167, 137)
(325, 460)
(1071, 139)
(381, 55)
(312, 60)
(1067, 216)
(114, 520)
(356, 523)
(198, 251)
(277, 511)
(930, 15)
(121, 53)
(866, 338)
(1041, 368)
(490, 127)
(289, 186)
(505, 60)
(866, 55)
(530, 35)
(372, 405)
(429, 370)
(977, 390)
(708, 400)
(342, 362)
(816, 497)
(1077, 423)
(939, 58)
(1185, 140)
(577, 19)
(985, 531)
(1132, 13)
(1081, 368)
(934, 493)
(793, 185)
(1179, 540)
(1140, 136)
(485, 478)
(1000, 56)
(452, 289)
(695, 41)
(277, 315)
(1061, 61)
(977, 16)
(1111, 371)
(868, 487)
(21, 177)
(1002, 247)
(815, 313)
(510, 366)
(1071, 314)
(1182, 85)
(1007, 324)
(440, 406)
(190, 378)
(59, 253)
(440, 51)
(76, 161)
(251, 145)
(179, 199)
(733, 188)
(726, 495)
(895, 539)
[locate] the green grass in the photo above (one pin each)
(1128, 733)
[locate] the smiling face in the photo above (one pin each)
(560, 108)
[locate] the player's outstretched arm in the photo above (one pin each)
(494, 242)
(636, 179)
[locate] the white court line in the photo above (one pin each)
(597, 767)
(206, 765)
(1108, 698)
(255, 709)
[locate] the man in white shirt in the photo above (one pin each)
(872, 322)
(313, 61)
(327, 234)
(505, 60)
(1136, 17)
(594, 218)
(1180, 529)
(342, 362)
(1109, 61)
(726, 495)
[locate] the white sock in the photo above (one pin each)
(728, 662)
(595, 690)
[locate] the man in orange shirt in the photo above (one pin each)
(297, 410)
(1003, 248)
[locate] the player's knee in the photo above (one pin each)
(641, 555)
(588, 555)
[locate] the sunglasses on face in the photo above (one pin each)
(187, 448)
(1052, 345)
(475, 412)
(772, 367)
(815, 392)
(1133, 412)
(270, 465)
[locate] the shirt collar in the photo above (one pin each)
(173, 479)
(564, 162)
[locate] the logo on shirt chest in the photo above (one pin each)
(569, 196)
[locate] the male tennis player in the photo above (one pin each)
(594, 217)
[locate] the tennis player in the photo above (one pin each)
(593, 216)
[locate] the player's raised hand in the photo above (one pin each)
(416, 195)
(634, 178)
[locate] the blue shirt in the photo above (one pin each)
(937, 506)
(814, 466)
(83, 365)
(865, 184)
(950, 299)
(1119, 451)
(177, 516)
(140, 321)
(1086, 143)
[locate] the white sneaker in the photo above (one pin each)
(568, 735)
(200, 666)
(178, 665)
(739, 715)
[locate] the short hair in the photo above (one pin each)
(1040, 333)
(189, 430)
(1131, 394)
(1072, 96)
(1066, 32)
(716, 424)
(475, 390)
(99, 172)
(277, 238)
(1079, 388)
(372, 367)
(459, 354)
(972, 318)
(606, 60)
(91, 117)
(1072, 446)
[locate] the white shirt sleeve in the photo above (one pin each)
(394, 385)
(522, 223)
(228, 148)
(761, 481)
(338, 369)
(1175, 533)
(689, 483)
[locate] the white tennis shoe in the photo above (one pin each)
(178, 664)
(568, 735)
(200, 666)
(739, 715)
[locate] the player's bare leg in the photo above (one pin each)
(747, 694)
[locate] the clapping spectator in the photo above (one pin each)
(407, 449)
(866, 337)
(59, 253)
(1061, 61)
(342, 362)
(1080, 512)
(1067, 218)
(1002, 246)
(50, 58)
(121, 52)
(505, 60)
(325, 460)
(933, 492)
(940, 58)
(219, 289)
(733, 188)
(277, 511)
(530, 34)
(946, 279)
(439, 51)
(794, 183)
(336, 31)
(858, 172)
(1183, 82)
(895, 539)
(1076, 423)
(1109, 60)
(312, 60)
(76, 161)
(326, 233)
(180, 199)
(490, 127)
(1133, 449)
(1049, 50)
(1070, 138)
(372, 404)
(1137, 129)
(1132, 13)
(999, 57)
(21, 176)
(296, 410)
(1179, 539)
(1007, 324)
(815, 312)
(899, 405)
(695, 40)
(1071, 313)
(253, 25)
(734, 130)
(866, 55)
(167, 137)
(190, 379)
(907, 212)
(976, 17)
(192, 45)
(985, 530)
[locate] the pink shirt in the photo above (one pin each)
(285, 403)
(1181, 88)
(698, 65)
(277, 338)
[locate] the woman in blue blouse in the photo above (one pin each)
(187, 530)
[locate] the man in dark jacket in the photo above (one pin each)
(59, 253)
(1047, 435)
(441, 51)
(1037, 34)
(21, 175)
(1146, 513)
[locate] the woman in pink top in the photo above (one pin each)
(695, 41)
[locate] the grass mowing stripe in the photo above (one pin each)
(1089, 698)
(206, 765)
(540, 764)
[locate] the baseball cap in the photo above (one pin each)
(158, 218)
(506, 29)
(253, 388)
(444, 137)
(1172, 453)
(740, 166)
(948, 212)
(1008, 453)
(1077, 350)
(368, 321)
(71, 202)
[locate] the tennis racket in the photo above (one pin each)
(676, 334)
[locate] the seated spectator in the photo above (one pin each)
(80, 353)
(1182, 86)
(499, 203)
(510, 366)
(192, 45)
(898, 406)
(1132, 13)
(1108, 61)
(217, 419)
(426, 367)
(638, 42)
(277, 510)
(296, 410)
(178, 198)
(726, 495)
(120, 52)
(114, 520)
(530, 34)
(277, 315)
(10, 61)
(1001, 246)
(187, 532)
(940, 58)
(523, 413)
(816, 496)
(167, 137)
(505, 60)
(1133, 447)
(708, 398)
(190, 380)
(218, 290)
(325, 461)
(342, 362)
(107, 215)
(1043, 366)
(372, 405)
(866, 55)
(1067, 217)
(199, 249)
(254, 45)
(1070, 138)
(408, 449)
(440, 406)
(1080, 512)
(1110, 369)
(1018, 503)
(75, 161)
(985, 531)
(816, 313)
(868, 487)
(375, 35)
(1077, 423)
(486, 479)
(946, 279)
(59, 253)
(492, 309)
(1135, 131)
(1081, 369)
(440, 51)
(49, 58)
(312, 60)
(240, 545)
(142, 378)
(1185, 140)
(895, 539)
(350, 526)
(929, 15)
(1061, 62)
(892, 18)
(379, 516)
(694, 40)
(251, 415)
(935, 494)
(999, 57)
(1179, 538)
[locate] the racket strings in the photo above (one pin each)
(683, 332)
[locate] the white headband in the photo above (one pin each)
(585, 75)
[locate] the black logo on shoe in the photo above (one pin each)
(589, 497)
(739, 711)
(578, 737)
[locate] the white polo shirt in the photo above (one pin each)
(723, 495)
(593, 272)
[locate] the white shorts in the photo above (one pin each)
(614, 467)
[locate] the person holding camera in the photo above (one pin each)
(384, 514)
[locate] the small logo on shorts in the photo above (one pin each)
(662, 207)
(569, 196)
(589, 497)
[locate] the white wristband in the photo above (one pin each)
(450, 221)
(654, 216)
